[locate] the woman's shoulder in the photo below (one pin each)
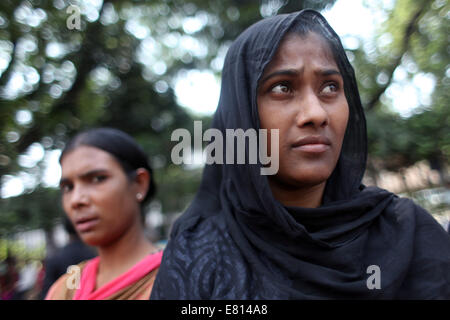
(404, 213)
(426, 229)
(402, 207)
(407, 207)
(65, 286)
(193, 261)
(428, 275)
(202, 238)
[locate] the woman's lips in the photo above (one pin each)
(86, 224)
(312, 144)
(313, 148)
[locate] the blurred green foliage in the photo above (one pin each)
(414, 41)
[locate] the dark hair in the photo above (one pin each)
(121, 146)
(68, 226)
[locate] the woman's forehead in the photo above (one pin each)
(295, 49)
(84, 158)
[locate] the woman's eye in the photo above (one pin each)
(280, 88)
(65, 188)
(330, 88)
(98, 179)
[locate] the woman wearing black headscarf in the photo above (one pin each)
(311, 231)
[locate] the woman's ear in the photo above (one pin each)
(142, 181)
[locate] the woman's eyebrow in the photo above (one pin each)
(296, 72)
(285, 72)
(92, 173)
(328, 72)
(84, 175)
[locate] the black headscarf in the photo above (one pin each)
(236, 241)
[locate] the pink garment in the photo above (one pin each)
(89, 276)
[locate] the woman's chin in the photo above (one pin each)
(301, 180)
(91, 239)
(311, 177)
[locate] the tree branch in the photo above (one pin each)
(411, 27)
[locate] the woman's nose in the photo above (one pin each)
(79, 197)
(311, 111)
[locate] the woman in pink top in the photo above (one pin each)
(105, 181)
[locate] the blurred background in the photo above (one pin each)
(149, 67)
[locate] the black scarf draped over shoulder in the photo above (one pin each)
(235, 241)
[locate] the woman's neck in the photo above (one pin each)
(119, 256)
(306, 197)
